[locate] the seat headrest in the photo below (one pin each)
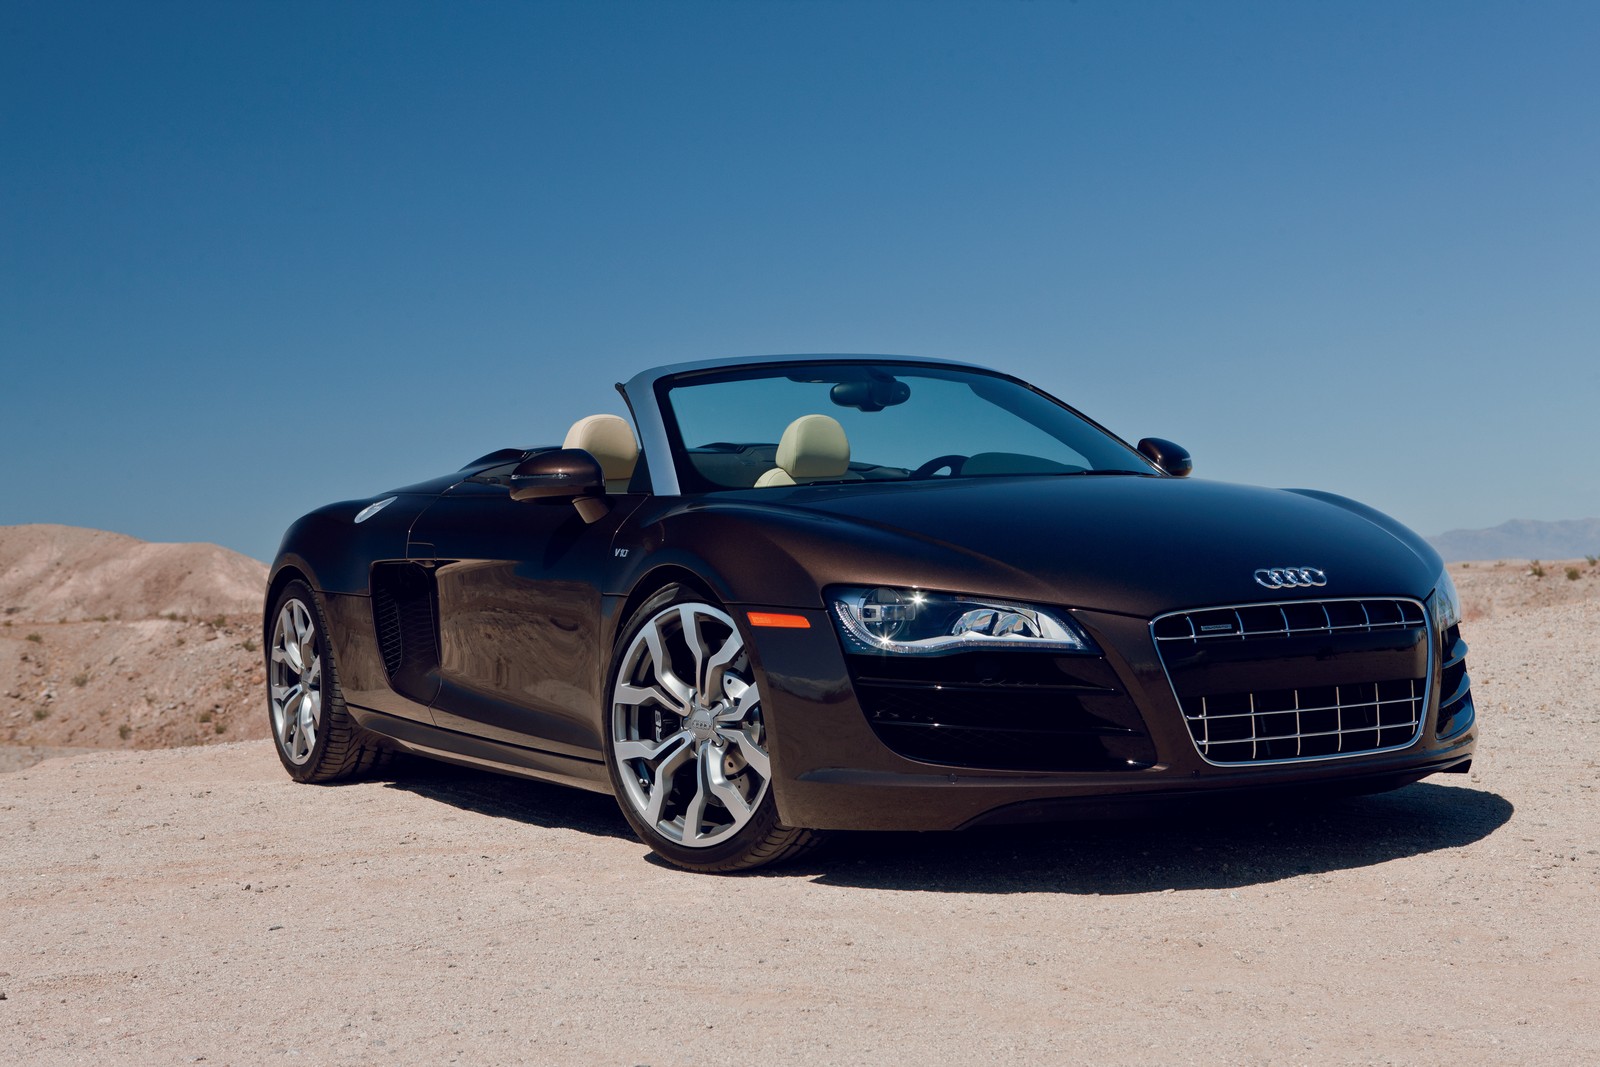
(814, 446)
(609, 440)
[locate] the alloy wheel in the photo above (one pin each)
(686, 727)
(295, 682)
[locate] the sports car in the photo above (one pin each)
(804, 593)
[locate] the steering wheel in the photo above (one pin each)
(952, 461)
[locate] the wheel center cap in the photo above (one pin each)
(702, 723)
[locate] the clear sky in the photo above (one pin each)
(258, 257)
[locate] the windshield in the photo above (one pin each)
(802, 424)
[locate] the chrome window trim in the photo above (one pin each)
(1427, 687)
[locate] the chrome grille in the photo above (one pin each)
(1299, 680)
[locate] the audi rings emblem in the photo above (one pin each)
(1290, 577)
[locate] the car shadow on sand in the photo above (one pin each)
(1218, 848)
(502, 797)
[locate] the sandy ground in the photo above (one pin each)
(193, 905)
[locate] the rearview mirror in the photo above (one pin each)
(1174, 459)
(562, 474)
(873, 394)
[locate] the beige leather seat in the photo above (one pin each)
(609, 440)
(812, 448)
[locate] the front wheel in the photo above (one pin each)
(315, 736)
(687, 742)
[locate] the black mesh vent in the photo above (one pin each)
(403, 616)
(386, 616)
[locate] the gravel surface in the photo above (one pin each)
(193, 905)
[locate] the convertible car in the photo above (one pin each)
(804, 593)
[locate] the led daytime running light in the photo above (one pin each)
(915, 622)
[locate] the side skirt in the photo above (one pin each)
(420, 739)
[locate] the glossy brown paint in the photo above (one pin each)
(362, 676)
(521, 653)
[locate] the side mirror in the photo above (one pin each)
(1174, 459)
(566, 474)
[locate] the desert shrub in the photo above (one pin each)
(124, 731)
(41, 713)
(80, 679)
(102, 618)
(36, 639)
(184, 640)
(249, 644)
(1537, 570)
(221, 728)
(1573, 574)
(1591, 559)
(205, 716)
(219, 622)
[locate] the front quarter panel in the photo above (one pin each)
(336, 553)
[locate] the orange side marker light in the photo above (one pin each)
(778, 620)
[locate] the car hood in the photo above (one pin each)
(1139, 545)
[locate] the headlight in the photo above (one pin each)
(921, 623)
(1446, 602)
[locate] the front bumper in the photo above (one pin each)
(831, 770)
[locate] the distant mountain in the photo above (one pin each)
(1522, 539)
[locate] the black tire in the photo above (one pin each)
(338, 748)
(724, 755)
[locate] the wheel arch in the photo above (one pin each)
(281, 577)
(652, 582)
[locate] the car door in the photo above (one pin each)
(517, 587)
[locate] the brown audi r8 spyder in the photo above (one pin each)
(803, 593)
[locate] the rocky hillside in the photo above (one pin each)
(109, 641)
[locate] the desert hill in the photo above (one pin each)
(108, 641)
(71, 573)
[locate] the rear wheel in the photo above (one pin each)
(687, 743)
(315, 736)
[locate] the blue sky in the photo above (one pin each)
(257, 257)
